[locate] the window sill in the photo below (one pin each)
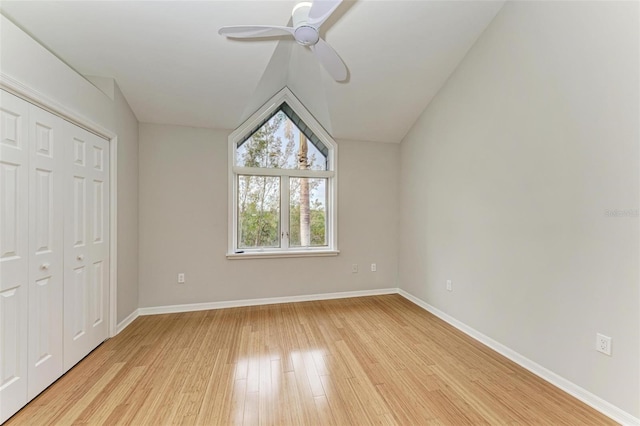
(282, 254)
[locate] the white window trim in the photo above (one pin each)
(331, 249)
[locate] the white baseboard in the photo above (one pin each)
(571, 388)
(128, 320)
(154, 310)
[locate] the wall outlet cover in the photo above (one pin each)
(603, 344)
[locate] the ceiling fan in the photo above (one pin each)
(307, 18)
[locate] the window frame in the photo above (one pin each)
(331, 174)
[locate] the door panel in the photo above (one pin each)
(79, 213)
(44, 210)
(10, 302)
(86, 245)
(99, 241)
(10, 173)
(43, 347)
(46, 169)
(14, 254)
(98, 211)
(79, 306)
(97, 291)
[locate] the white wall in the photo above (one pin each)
(126, 127)
(25, 60)
(506, 178)
(183, 224)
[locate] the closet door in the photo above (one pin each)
(46, 201)
(86, 245)
(14, 255)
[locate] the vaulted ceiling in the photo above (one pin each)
(174, 68)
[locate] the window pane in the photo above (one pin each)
(308, 212)
(258, 211)
(276, 145)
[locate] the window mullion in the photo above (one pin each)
(284, 213)
(257, 171)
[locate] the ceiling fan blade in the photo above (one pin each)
(252, 31)
(330, 60)
(321, 10)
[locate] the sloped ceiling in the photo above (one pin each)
(174, 68)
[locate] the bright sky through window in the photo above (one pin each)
(286, 134)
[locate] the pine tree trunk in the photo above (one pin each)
(258, 242)
(305, 218)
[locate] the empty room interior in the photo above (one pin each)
(330, 212)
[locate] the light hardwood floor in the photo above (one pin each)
(354, 361)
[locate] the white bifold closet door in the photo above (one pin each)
(54, 248)
(86, 241)
(46, 268)
(14, 252)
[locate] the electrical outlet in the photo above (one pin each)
(449, 285)
(603, 344)
(181, 278)
(354, 268)
(374, 267)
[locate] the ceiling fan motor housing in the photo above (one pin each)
(304, 34)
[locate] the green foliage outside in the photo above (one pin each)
(259, 211)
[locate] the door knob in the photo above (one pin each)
(80, 257)
(44, 266)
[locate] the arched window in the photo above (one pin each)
(282, 184)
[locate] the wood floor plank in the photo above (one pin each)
(371, 360)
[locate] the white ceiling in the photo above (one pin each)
(174, 68)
